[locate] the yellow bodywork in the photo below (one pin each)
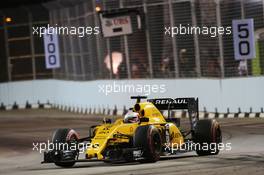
(106, 134)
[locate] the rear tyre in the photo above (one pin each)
(148, 138)
(68, 136)
(207, 135)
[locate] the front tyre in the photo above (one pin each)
(207, 136)
(148, 138)
(65, 136)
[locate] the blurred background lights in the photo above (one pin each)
(8, 19)
(98, 9)
(117, 58)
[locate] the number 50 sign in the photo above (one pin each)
(51, 50)
(243, 37)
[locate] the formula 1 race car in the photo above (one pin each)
(143, 135)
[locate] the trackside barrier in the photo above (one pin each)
(120, 112)
(236, 97)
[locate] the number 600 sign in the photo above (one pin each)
(51, 50)
(243, 37)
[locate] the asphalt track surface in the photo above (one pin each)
(19, 129)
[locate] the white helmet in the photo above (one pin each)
(131, 117)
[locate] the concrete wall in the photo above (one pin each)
(243, 93)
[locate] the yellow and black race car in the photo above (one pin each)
(144, 135)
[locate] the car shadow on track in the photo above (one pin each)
(79, 165)
(177, 157)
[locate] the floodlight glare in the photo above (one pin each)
(97, 8)
(8, 19)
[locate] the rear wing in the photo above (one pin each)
(191, 104)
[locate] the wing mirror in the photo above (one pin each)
(107, 121)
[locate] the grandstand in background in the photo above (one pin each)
(147, 53)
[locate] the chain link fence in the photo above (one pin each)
(147, 53)
(22, 54)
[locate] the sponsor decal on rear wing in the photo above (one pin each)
(177, 103)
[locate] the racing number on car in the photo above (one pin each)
(243, 37)
(51, 50)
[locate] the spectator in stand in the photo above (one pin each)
(242, 68)
(165, 69)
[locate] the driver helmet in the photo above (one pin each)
(131, 117)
